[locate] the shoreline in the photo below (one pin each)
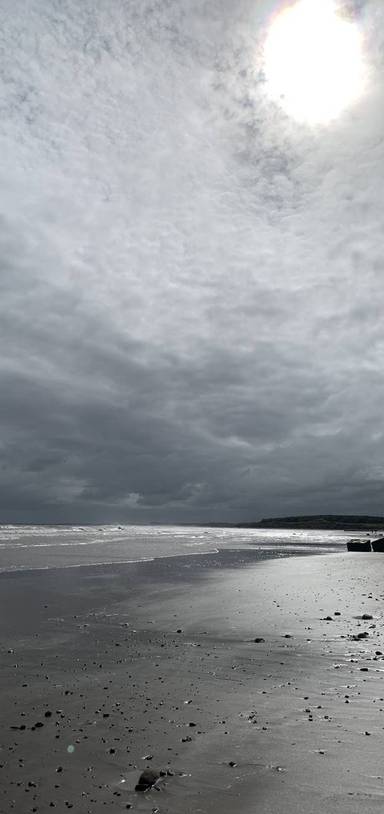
(120, 658)
(293, 549)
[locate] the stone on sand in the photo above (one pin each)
(358, 545)
(147, 779)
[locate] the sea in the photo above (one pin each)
(25, 547)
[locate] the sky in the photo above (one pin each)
(191, 280)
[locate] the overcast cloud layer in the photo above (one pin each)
(191, 286)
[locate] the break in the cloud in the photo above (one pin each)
(191, 284)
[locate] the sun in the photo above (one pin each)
(313, 61)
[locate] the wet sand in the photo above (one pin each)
(105, 671)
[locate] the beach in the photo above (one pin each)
(243, 682)
(191, 407)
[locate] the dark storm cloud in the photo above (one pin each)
(191, 284)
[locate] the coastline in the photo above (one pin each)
(127, 657)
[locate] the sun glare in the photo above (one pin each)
(313, 61)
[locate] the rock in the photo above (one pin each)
(147, 779)
(366, 617)
(259, 639)
(378, 545)
(358, 545)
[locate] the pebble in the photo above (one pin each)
(147, 779)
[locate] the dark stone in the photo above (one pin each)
(358, 545)
(366, 617)
(378, 545)
(147, 779)
(259, 639)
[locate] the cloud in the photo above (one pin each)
(190, 283)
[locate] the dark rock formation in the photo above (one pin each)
(358, 545)
(378, 544)
(147, 779)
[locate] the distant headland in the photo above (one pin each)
(347, 522)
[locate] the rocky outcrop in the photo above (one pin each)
(359, 545)
(378, 544)
(147, 779)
